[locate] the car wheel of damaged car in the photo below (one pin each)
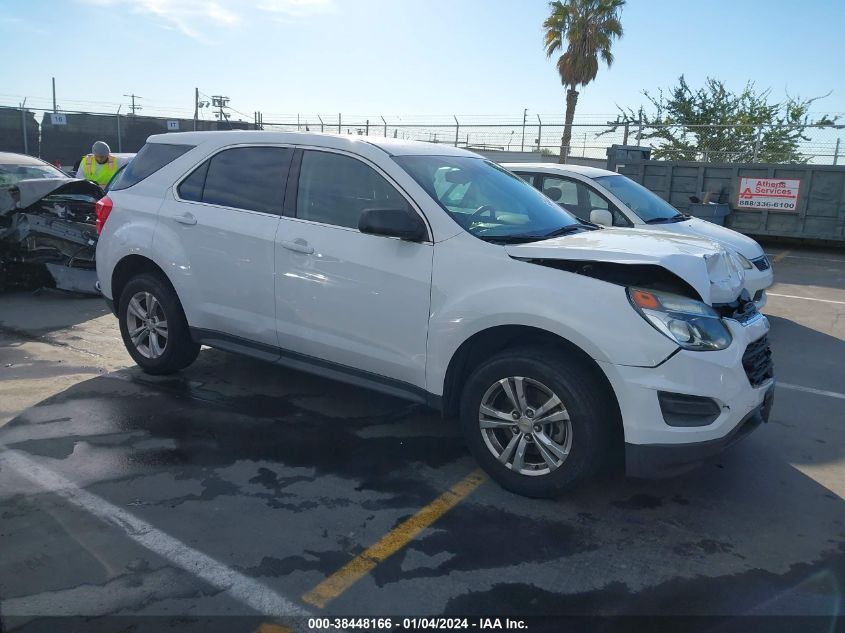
(536, 421)
(153, 326)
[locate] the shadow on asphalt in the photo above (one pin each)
(290, 476)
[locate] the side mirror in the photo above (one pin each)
(401, 223)
(602, 217)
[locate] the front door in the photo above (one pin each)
(354, 302)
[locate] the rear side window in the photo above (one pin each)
(529, 178)
(151, 158)
(251, 178)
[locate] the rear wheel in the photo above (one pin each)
(153, 326)
(537, 422)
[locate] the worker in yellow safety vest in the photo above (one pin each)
(99, 166)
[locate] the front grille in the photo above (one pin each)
(757, 362)
(762, 263)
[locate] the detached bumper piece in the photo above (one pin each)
(653, 461)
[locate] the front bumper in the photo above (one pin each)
(667, 460)
(718, 376)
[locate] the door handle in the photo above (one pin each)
(298, 246)
(186, 218)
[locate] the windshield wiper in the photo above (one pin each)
(520, 239)
(569, 228)
(679, 217)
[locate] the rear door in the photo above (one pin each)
(220, 224)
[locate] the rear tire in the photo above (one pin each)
(538, 422)
(153, 326)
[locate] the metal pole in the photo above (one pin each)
(836, 152)
(640, 129)
(196, 107)
(757, 143)
(524, 116)
(23, 127)
(539, 134)
(367, 128)
(322, 125)
(385, 126)
(457, 129)
(297, 123)
(338, 123)
(54, 96)
(119, 142)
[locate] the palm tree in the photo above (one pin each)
(585, 29)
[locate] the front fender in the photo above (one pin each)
(478, 286)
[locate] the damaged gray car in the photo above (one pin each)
(48, 231)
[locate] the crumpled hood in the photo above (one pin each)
(742, 244)
(704, 264)
(25, 193)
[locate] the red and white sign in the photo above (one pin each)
(768, 193)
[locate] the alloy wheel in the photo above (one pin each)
(525, 425)
(146, 324)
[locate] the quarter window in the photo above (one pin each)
(335, 189)
(250, 178)
(151, 158)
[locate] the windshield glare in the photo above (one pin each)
(485, 199)
(11, 174)
(647, 205)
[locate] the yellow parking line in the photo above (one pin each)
(392, 542)
(780, 257)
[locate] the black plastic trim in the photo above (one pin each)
(317, 366)
(111, 305)
(681, 409)
(652, 461)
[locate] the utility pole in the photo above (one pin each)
(134, 107)
(524, 116)
(54, 96)
(196, 107)
(220, 102)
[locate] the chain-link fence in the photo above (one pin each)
(64, 136)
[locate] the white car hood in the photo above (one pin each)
(742, 244)
(702, 263)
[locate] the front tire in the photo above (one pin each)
(153, 326)
(537, 422)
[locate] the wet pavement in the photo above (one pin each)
(236, 487)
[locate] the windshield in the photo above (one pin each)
(10, 174)
(647, 205)
(486, 200)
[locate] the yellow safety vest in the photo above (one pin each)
(101, 174)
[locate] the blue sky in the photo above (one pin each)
(397, 57)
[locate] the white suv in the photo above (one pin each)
(429, 273)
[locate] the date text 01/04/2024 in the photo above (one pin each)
(416, 624)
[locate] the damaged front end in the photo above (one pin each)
(48, 235)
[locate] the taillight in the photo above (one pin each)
(103, 208)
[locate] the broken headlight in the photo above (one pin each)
(689, 323)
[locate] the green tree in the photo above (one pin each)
(712, 123)
(583, 30)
